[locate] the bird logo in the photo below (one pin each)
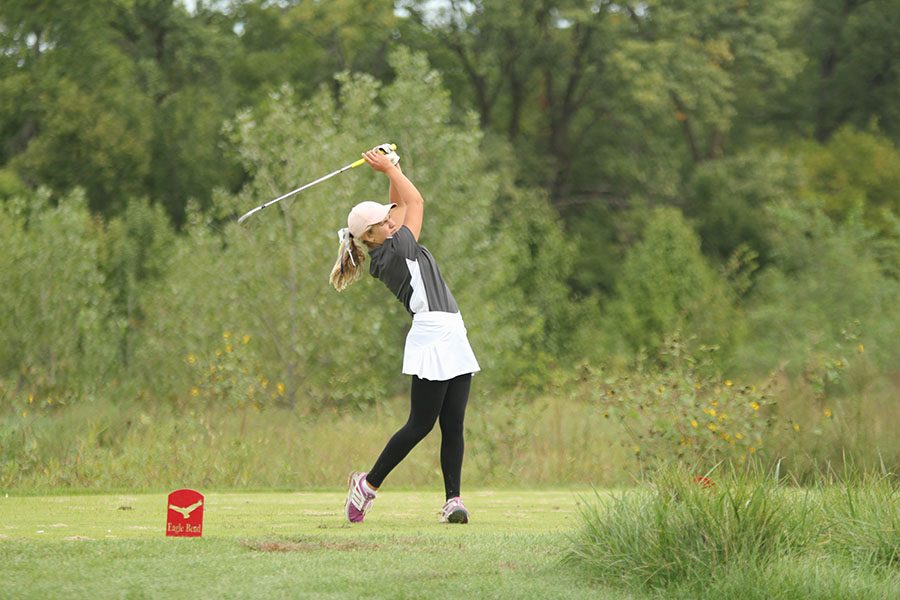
(186, 511)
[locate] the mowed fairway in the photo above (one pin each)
(290, 545)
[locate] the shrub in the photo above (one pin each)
(680, 409)
(59, 336)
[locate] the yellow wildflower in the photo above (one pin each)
(280, 388)
(714, 403)
(191, 358)
(245, 339)
(827, 413)
(711, 427)
(226, 336)
(195, 392)
(637, 449)
(796, 426)
(861, 348)
(739, 436)
(228, 348)
(218, 353)
(30, 398)
(694, 423)
(754, 405)
(751, 450)
(728, 383)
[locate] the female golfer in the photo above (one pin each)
(437, 352)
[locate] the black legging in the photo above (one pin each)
(428, 401)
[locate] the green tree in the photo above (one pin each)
(534, 72)
(305, 43)
(74, 118)
(852, 73)
(121, 98)
(709, 70)
(728, 199)
(854, 173)
(823, 278)
(666, 285)
(182, 69)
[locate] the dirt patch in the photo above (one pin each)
(306, 545)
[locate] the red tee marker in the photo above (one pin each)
(185, 514)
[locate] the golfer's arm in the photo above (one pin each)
(395, 195)
(410, 204)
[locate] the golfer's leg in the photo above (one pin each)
(453, 413)
(424, 407)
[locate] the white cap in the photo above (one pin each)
(365, 214)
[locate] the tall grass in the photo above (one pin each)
(569, 434)
(105, 446)
(680, 529)
(745, 535)
(863, 521)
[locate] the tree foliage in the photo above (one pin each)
(666, 285)
(598, 174)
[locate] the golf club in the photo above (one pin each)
(383, 148)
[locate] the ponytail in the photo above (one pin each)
(348, 267)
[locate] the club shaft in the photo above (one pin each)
(301, 188)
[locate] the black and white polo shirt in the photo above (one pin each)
(408, 269)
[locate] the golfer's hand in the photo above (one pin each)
(378, 161)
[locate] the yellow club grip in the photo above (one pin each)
(362, 160)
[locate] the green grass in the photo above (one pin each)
(748, 535)
(290, 545)
(741, 540)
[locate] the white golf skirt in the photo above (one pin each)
(437, 347)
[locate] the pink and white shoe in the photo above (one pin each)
(454, 511)
(359, 500)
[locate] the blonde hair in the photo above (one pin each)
(349, 265)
